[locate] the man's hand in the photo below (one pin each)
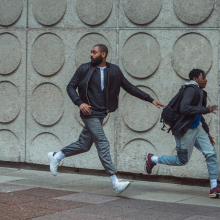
(212, 140)
(158, 104)
(85, 108)
(213, 108)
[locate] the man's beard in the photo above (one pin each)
(97, 60)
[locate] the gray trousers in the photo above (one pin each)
(184, 146)
(92, 133)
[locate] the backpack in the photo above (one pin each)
(170, 113)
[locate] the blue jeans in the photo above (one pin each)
(184, 146)
(92, 133)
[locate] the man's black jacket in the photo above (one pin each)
(116, 80)
(189, 108)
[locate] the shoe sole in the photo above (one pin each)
(146, 156)
(146, 159)
(214, 195)
(124, 189)
(49, 157)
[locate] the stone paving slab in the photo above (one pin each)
(202, 200)
(88, 197)
(39, 195)
(30, 203)
(42, 193)
(101, 211)
(70, 214)
(89, 185)
(4, 179)
(4, 170)
(135, 203)
(16, 199)
(196, 217)
(187, 208)
(26, 213)
(150, 215)
(5, 187)
(163, 196)
(56, 205)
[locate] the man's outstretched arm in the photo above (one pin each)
(133, 90)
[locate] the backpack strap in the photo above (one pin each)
(197, 93)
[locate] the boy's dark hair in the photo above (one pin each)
(195, 73)
(102, 48)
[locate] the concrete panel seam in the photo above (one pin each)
(119, 28)
(26, 64)
(116, 112)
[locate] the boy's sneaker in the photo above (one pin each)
(121, 186)
(215, 193)
(149, 164)
(53, 163)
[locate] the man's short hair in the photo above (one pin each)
(195, 73)
(102, 48)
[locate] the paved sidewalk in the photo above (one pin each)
(29, 194)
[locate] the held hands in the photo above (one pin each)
(213, 108)
(85, 108)
(158, 104)
(211, 139)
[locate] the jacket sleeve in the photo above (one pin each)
(72, 86)
(204, 125)
(133, 90)
(186, 106)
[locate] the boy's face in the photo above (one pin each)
(201, 80)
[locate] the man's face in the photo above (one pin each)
(201, 80)
(96, 56)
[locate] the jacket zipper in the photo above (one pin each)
(87, 87)
(183, 125)
(107, 92)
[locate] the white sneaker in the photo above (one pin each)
(53, 163)
(121, 186)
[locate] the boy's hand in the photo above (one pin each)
(85, 108)
(213, 108)
(212, 140)
(158, 104)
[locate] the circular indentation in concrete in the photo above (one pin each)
(85, 45)
(196, 168)
(93, 12)
(193, 11)
(10, 53)
(142, 11)
(132, 157)
(48, 54)
(41, 145)
(10, 11)
(47, 104)
(141, 55)
(48, 12)
(10, 147)
(10, 102)
(191, 51)
(90, 159)
(139, 115)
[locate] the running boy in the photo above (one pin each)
(191, 130)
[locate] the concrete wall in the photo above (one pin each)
(155, 43)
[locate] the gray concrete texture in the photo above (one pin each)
(155, 43)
